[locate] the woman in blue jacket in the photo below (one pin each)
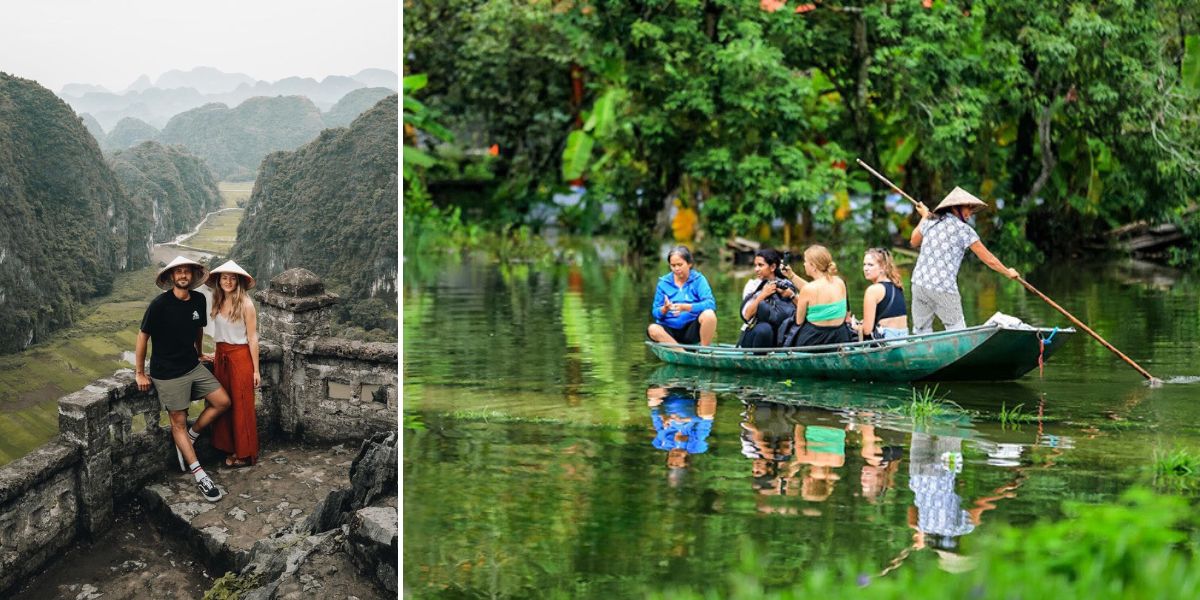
(684, 307)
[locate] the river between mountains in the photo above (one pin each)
(102, 340)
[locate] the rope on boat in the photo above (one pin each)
(1042, 350)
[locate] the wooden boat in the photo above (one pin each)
(981, 353)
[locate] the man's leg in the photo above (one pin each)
(216, 402)
(183, 442)
(659, 334)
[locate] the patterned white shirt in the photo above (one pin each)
(944, 241)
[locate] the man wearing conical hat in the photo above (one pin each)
(944, 237)
(174, 326)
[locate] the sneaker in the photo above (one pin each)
(209, 490)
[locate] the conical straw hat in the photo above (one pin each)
(163, 279)
(214, 277)
(960, 197)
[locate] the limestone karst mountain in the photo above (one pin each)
(177, 186)
(67, 226)
(235, 140)
(331, 207)
(178, 91)
(130, 132)
(353, 104)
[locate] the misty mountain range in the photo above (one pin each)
(178, 91)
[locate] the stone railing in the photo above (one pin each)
(113, 438)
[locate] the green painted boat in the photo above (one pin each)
(981, 353)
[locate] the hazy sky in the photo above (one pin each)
(112, 42)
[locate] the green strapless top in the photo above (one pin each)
(827, 312)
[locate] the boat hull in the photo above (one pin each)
(983, 353)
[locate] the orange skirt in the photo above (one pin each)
(235, 432)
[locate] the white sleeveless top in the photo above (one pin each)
(228, 331)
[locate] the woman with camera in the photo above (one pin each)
(767, 300)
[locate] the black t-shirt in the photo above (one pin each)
(173, 326)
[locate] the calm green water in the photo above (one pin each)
(543, 461)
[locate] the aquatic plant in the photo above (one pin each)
(1176, 470)
(1132, 548)
(1013, 417)
(926, 404)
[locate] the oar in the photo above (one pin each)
(890, 184)
(1152, 380)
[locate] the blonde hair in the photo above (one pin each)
(821, 260)
(238, 297)
(884, 258)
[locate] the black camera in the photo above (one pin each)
(787, 258)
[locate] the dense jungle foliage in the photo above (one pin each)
(330, 207)
(67, 225)
(235, 140)
(178, 186)
(129, 132)
(1071, 117)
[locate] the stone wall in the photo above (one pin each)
(39, 507)
(113, 437)
(330, 389)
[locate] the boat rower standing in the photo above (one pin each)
(943, 237)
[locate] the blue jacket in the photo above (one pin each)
(695, 291)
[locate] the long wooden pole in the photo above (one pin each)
(1150, 378)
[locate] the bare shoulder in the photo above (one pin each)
(875, 290)
(247, 304)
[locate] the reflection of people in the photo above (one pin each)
(235, 330)
(174, 326)
(821, 307)
(684, 307)
(682, 424)
(937, 515)
(943, 239)
(767, 300)
(880, 464)
(784, 451)
(884, 314)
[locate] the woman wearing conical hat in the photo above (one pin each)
(944, 237)
(235, 330)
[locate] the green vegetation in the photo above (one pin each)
(234, 140)
(353, 104)
(68, 227)
(330, 207)
(176, 187)
(1134, 548)
(1013, 417)
(1071, 117)
(130, 132)
(1176, 470)
(926, 405)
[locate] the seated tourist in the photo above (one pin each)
(821, 307)
(684, 307)
(768, 300)
(884, 314)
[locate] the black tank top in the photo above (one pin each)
(892, 304)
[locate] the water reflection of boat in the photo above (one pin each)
(982, 353)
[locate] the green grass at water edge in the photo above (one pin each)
(1133, 548)
(926, 404)
(1176, 470)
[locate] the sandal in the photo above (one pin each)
(237, 463)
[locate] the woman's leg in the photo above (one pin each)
(708, 327)
(761, 336)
